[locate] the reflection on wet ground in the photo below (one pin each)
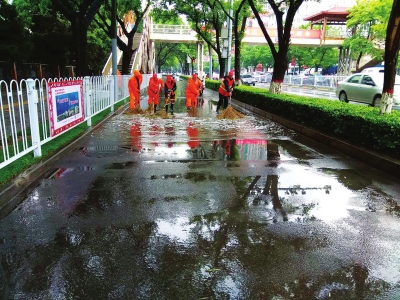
(200, 208)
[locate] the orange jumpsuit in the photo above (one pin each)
(136, 136)
(154, 90)
(134, 89)
(193, 135)
(192, 92)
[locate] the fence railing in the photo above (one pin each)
(340, 34)
(314, 81)
(171, 29)
(25, 115)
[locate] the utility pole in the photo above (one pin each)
(229, 23)
(114, 48)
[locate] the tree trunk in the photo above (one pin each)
(126, 60)
(221, 62)
(80, 36)
(392, 47)
(237, 61)
(278, 75)
(358, 62)
(386, 103)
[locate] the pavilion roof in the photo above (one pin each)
(335, 15)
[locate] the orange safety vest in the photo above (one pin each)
(192, 89)
(222, 89)
(138, 77)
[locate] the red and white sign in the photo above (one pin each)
(65, 102)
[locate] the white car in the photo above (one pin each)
(374, 70)
(366, 88)
(248, 79)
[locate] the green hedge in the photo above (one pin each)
(358, 124)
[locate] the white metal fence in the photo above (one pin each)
(171, 29)
(314, 81)
(24, 114)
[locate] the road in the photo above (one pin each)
(200, 208)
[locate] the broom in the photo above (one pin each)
(230, 113)
(158, 114)
(167, 100)
(193, 112)
(150, 109)
(136, 111)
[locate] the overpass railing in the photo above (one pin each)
(25, 114)
(171, 29)
(338, 34)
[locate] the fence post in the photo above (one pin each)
(88, 100)
(112, 91)
(124, 87)
(33, 100)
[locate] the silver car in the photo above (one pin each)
(248, 79)
(366, 88)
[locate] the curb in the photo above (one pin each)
(383, 163)
(13, 192)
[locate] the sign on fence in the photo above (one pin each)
(65, 105)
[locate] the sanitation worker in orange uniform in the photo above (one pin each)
(154, 91)
(225, 91)
(134, 89)
(192, 92)
(169, 92)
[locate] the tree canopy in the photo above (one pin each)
(368, 21)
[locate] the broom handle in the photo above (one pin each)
(166, 100)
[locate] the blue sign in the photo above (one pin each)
(67, 105)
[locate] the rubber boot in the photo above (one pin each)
(166, 108)
(155, 108)
(172, 109)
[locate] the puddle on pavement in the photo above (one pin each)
(291, 149)
(61, 172)
(103, 151)
(350, 178)
(122, 165)
(202, 228)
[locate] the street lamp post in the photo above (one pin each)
(114, 48)
(229, 23)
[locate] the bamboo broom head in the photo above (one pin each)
(193, 112)
(159, 114)
(162, 114)
(230, 113)
(136, 111)
(149, 109)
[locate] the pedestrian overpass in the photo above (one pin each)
(253, 35)
(144, 57)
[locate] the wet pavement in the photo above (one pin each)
(200, 208)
